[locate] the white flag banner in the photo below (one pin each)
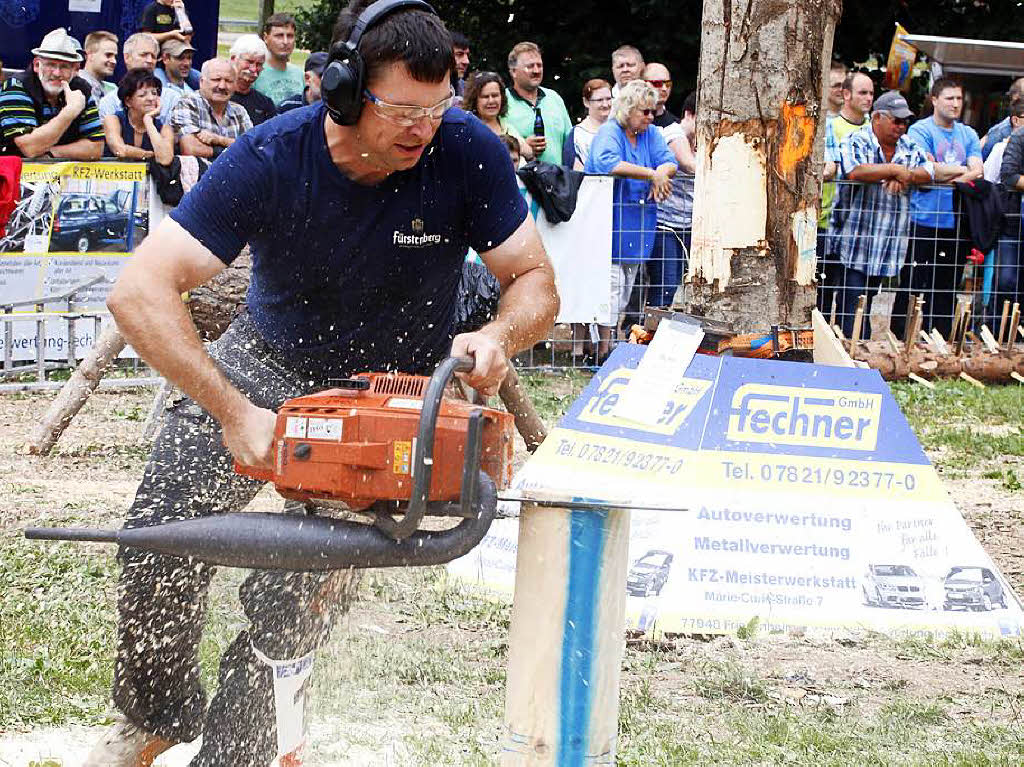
(580, 250)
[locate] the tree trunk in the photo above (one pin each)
(758, 186)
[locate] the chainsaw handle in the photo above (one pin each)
(423, 453)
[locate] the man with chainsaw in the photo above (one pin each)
(358, 212)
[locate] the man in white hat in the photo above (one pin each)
(48, 112)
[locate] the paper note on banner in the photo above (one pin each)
(660, 372)
(85, 6)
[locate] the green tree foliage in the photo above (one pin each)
(578, 38)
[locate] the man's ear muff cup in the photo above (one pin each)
(344, 77)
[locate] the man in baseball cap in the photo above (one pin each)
(174, 70)
(893, 103)
(47, 111)
(311, 93)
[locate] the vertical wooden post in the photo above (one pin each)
(567, 638)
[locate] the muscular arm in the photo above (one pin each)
(529, 305)
(146, 302)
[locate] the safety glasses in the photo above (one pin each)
(407, 116)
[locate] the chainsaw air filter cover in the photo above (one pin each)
(355, 443)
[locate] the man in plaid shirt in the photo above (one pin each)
(208, 122)
(870, 222)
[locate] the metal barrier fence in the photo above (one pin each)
(873, 245)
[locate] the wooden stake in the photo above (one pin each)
(1014, 319)
(923, 381)
(1002, 323)
(894, 343)
(939, 341)
(1016, 376)
(988, 339)
(832, 313)
(963, 332)
(858, 321)
(971, 380)
(838, 331)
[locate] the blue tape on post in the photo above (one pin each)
(586, 550)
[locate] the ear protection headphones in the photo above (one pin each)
(344, 77)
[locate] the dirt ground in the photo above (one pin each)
(93, 472)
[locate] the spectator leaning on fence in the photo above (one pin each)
(47, 111)
(485, 97)
(208, 122)
(279, 79)
(315, 63)
(176, 60)
(871, 218)
(1007, 281)
(643, 166)
(527, 99)
(100, 62)
(136, 132)
(938, 250)
(597, 100)
(247, 56)
(627, 65)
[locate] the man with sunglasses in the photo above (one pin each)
(358, 233)
(658, 77)
(871, 219)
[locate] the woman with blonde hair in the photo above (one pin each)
(643, 167)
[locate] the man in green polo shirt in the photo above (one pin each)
(526, 98)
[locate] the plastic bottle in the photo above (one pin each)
(184, 25)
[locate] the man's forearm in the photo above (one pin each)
(190, 145)
(874, 172)
(527, 311)
(42, 139)
(83, 149)
(153, 319)
(945, 172)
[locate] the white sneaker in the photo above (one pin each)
(124, 744)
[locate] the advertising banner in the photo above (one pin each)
(74, 221)
(899, 67)
(800, 498)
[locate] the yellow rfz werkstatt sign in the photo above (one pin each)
(600, 409)
(785, 415)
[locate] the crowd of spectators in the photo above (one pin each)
(894, 223)
(66, 104)
(883, 221)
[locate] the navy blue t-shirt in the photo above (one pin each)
(348, 277)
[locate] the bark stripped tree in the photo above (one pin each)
(758, 186)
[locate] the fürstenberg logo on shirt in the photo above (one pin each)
(403, 240)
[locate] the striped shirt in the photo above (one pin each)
(24, 107)
(193, 113)
(870, 227)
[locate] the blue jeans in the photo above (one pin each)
(850, 286)
(667, 265)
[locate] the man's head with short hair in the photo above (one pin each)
(279, 35)
(658, 76)
(408, 61)
(248, 54)
(947, 100)
(690, 104)
(55, 62)
(217, 82)
(526, 66)
(627, 64)
(834, 88)
(858, 95)
(101, 54)
(460, 50)
(1016, 91)
(141, 51)
(1017, 114)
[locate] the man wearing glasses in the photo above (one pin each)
(658, 77)
(358, 233)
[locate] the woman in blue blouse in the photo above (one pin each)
(628, 148)
(135, 131)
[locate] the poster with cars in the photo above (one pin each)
(794, 495)
(73, 222)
